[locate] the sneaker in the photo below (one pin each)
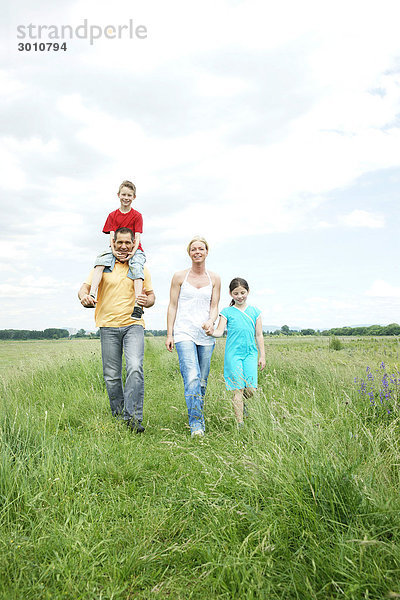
(135, 426)
(197, 433)
(137, 313)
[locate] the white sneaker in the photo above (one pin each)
(197, 433)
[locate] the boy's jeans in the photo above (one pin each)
(136, 264)
(127, 402)
(194, 363)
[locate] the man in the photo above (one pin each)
(118, 333)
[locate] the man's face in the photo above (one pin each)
(123, 243)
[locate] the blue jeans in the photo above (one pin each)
(136, 263)
(127, 402)
(194, 363)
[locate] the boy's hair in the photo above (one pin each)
(237, 282)
(197, 238)
(124, 230)
(129, 185)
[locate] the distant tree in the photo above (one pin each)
(81, 333)
(285, 329)
(392, 329)
(307, 332)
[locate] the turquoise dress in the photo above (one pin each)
(241, 353)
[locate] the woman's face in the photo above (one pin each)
(198, 252)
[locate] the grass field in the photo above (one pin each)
(303, 503)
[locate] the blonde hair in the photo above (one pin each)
(129, 185)
(197, 238)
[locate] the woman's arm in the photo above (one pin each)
(172, 308)
(260, 343)
(219, 330)
(215, 296)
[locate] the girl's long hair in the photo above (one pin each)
(237, 282)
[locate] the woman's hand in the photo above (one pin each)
(261, 363)
(169, 343)
(208, 327)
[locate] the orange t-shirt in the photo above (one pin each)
(116, 297)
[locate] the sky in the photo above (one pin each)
(270, 128)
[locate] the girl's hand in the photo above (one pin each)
(261, 363)
(208, 327)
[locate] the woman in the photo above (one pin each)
(192, 311)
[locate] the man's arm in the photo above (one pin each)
(146, 299)
(84, 296)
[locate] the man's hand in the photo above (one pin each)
(141, 299)
(169, 343)
(88, 301)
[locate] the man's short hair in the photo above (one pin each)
(124, 230)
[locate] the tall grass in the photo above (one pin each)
(303, 503)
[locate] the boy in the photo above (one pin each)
(125, 216)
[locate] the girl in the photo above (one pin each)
(244, 329)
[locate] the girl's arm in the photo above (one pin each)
(219, 330)
(260, 343)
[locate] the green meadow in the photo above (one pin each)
(303, 503)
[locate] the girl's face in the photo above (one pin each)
(239, 295)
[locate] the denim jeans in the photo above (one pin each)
(136, 263)
(127, 402)
(194, 363)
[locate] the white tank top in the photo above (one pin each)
(193, 309)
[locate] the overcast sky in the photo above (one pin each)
(271, 128)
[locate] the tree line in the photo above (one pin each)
(392, 329)
(27, 334)
(56, 334)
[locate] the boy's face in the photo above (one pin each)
(126, 196)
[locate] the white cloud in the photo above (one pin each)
(382, 289)
(363, 218)
(254, 115)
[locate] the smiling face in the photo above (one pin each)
(123, 243)
(198, 252)
(126, 197)
(239, 295)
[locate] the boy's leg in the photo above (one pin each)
(237, 402)
(138, 284)
(97, 275)
(137, 309)
(103, 260)
(136, 265)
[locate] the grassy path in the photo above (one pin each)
(303, 504)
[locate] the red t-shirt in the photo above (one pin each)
(132, 219)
